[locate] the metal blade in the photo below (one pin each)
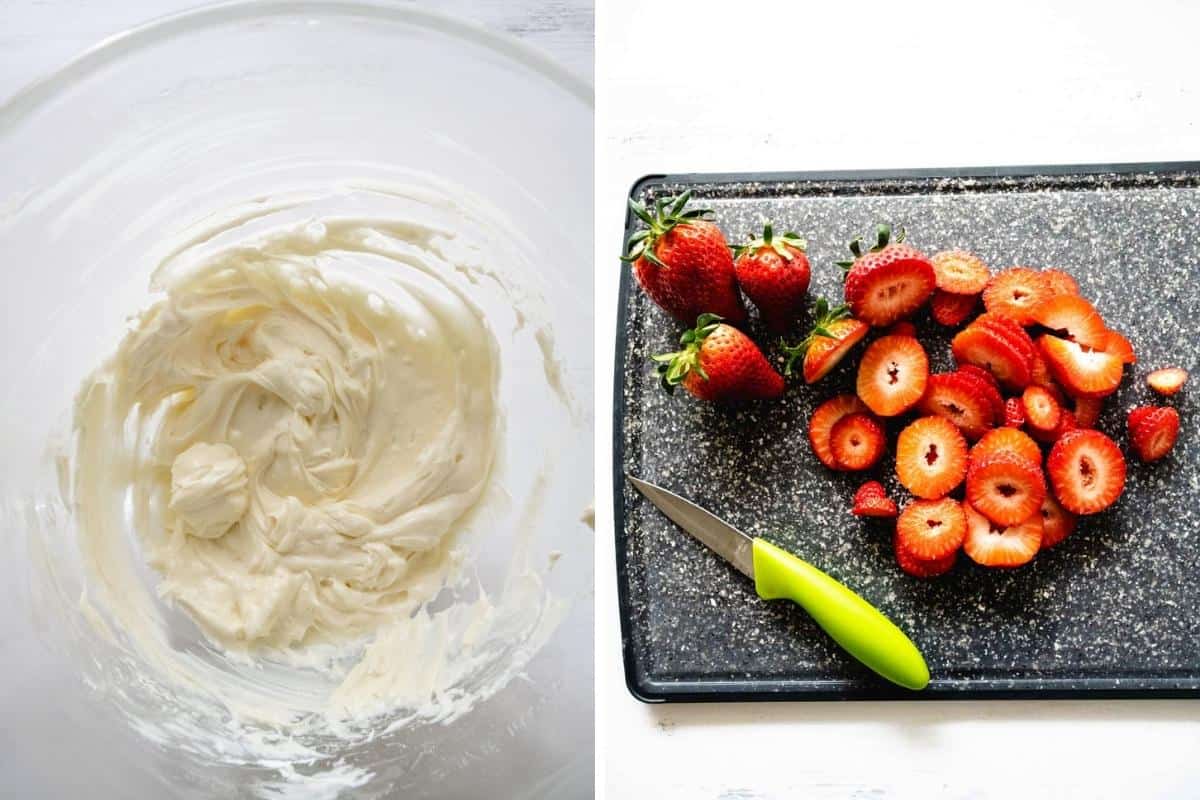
(722, 538)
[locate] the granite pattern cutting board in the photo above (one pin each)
(1113, 611)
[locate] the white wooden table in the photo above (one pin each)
(757, 85)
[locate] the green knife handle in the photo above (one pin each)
(855, 624)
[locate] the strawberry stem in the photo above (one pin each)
(672, 368)
(784, 244)
(668, 213)
(823, 318)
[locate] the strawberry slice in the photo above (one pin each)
(833, 335)
(1006, 440)
(856, 441)
(931, 457)
(1074, 318)
(981, 373)
(1168, 380)
(888, 282)
(993, 545)
(902, 328)
(962, 399)
(824, 417)
(1010, 331)
(1058, 282)
(1015, 293)
(872, 501)
(1005, 487)
(986, 384)
(960, 272)
(1014, 412)
(919, 568)
(892, 375)
(1153, 432)
(985, 348)
(1066, 424)
(1042, 411)
(1082, 370)
(931, 529)
(951, 310)
(1087, 471)
(1087, 411)
(1057, 522)
(1039, 371)
(1119, 346)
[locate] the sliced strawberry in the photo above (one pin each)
(856, 441)
(1074, 318)
(1015, 293)
(1058, 282)
(985, 348)
(824, 417)
(931, 529)
(980, 372)
(892, 375)
(872, 501)
(1014, 412)
(1005, 487)
(960, 272)
(1057, 522)
(1087, 471)
(888, 282)
(1087, 411)
(951, 310)
(833, 335)
(1011, 332)
(1080, 369)
(994, 545)
(1167, 381)
(985, 383)
(1042, 411)
(1119, 346)
(919, 568)
(962, 399)
(1039, 372)
(1006, 440)
(1066, 424)
(931, 457)
(1154, 433)
(902, 328)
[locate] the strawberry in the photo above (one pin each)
(1006, 440)
(1167, 381)
(931, 457)
(888, 282)
(1082, 370)
(1087, 411)
(1119, 346)
(682, 262)
(980, 372)
(1087, 471)
(833, 335)
(959, 272)
(1010, 331)
(1074, 318)
(960, 398)
(1014, 412)
(984, 347)
(951, 310)
(920, 568)
(1015, 293)
(1066, 424)
(997, 545)
(892, 375)
(1057, 522)
(1005, 487)
(774, 272)
(984, 384)
(931, 529)
(902, 328)
(872, 501)
(1039, 371)
(1058, 282)
(1042, 411)
(856, 441)
(1153, 433)
(1138, 414)
(718, 362)
(820, 426)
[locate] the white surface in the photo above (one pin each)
(757, 85)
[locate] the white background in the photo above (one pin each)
(753, 85)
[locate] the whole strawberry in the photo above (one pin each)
(774, 273)
(682, 261)
(888, 282)
(718, 362)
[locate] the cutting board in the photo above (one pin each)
(1114, 611)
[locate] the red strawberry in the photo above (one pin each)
(1138, 414)
(820, 427)
(1039, 371)
(856, 441)
(1087, 411)
(1015, 293)
(1167, 381)
(1082, 370)
(951, 310)
(774, 273)
(1014, 412)
(1087, 471)
(1006, 440)
(1058, 282)
(683, 263)
(902, 328)
(996, 545)
(1153, 433)
(892, 375)
(960, 272)
(872, 501)
(1074, 318)
(986, 385)
(931, 457)
(888, 282)
(960, 398)
(1042, 411)
(1066, 424)
(931, 529)
(1120, 347)
(833, 335)
(719, 362)
(1057, 522)
(1012, 333)
(980, 372)
(1005, 487)
(983, 347)
(920, 568)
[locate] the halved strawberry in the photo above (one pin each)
(1015, 293)
(902, 328)
(872, 501)
(1058, 282)
(856, 441)
(920, 568)
(1119, 346)
(1168, 380)
(960, 272)
(1087, 471)
(1074, 318)
(1006, 440)
(1014, 412)
(960, 398)
(1005, 487)
(1057, 522)
(824, 417)
(888, 282)
(1042, 411)
(985, 348)
(951, 310)
(833, 335)
(1154, 433)
(931, 529)
(1087, 411)
(1136, 415)
(1082, 370)
(892, 375)
(995, 545)
(931, 457)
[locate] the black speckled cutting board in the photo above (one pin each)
(1112, 611)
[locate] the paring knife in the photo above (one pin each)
(852, 622)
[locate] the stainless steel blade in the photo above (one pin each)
(722, 538)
